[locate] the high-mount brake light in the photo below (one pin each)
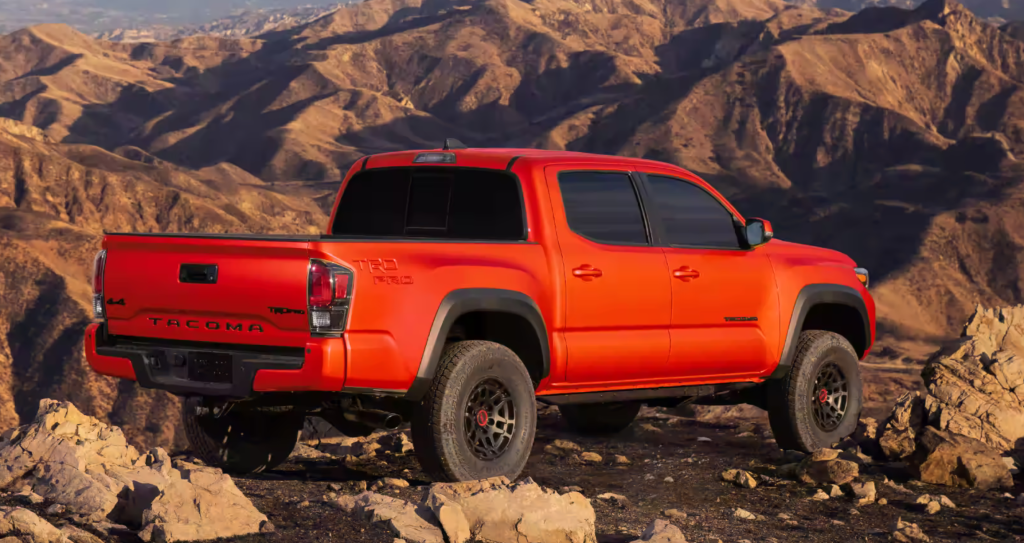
(98, 309)
(330, 291)
(434, 158)
(863, 276)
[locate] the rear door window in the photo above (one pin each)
(603, 207)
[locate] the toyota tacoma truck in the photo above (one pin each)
(456, 288)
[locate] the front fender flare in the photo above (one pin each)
(809, 296)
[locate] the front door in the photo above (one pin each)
(725, 307)
(617, 285)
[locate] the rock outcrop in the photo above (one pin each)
(500, 511)
(15, 520)
(973, 411)
(89, 468)
(490, 510)
(945, 458)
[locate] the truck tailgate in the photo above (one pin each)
(211, 289)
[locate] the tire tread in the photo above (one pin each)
(428, 432)
(784, 395)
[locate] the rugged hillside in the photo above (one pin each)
(890, 134)
(55, 202)
(986, 9)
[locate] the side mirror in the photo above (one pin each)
(758, 231)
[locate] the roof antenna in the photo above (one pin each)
(452, 143)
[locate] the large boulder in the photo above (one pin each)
(197, 502)
(496, 510)
(975, 390)
(31, 528)
(88, 467)
(945, 458)
(414, 524)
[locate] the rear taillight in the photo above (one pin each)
(97, 285)
(330, 290)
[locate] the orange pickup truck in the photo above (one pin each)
(456, 288)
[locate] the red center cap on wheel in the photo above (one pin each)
(481, 417)
(823, 396)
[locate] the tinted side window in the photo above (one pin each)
(690, 216)
(440, 203)
(603, 206)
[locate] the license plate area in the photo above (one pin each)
(209, 367)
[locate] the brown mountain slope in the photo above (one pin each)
(994, 9)
(55, 201)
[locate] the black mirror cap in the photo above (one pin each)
(757, 232)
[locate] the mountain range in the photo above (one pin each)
(890, 134)
(247, 23)
(999, 10)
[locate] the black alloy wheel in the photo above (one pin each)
(830, 398)
(490, 419)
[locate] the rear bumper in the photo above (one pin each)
(320, 366)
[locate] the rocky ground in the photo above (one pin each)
(675, 475)
(674, 463)
(671, 466)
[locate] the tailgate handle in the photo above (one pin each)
(198, 273)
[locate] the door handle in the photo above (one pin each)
(587, 272)
(686, 273)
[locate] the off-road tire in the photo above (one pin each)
(600, 418)
(439, 423)
(241, 441)
(791, 407)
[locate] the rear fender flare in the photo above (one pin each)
(809, 296)
(462, 301)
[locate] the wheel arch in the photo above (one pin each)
(831, 307)
(508, 317)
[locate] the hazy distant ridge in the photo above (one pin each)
(244, 24)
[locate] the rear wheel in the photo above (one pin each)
(479, 416)
(819, 402)
(600, 418)
(240, 441)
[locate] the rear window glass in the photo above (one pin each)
(445, 203)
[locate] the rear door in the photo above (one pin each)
(724, 299)
(617, 282)
(207, 288)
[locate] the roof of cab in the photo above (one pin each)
(499, 158)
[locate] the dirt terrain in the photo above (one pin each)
(669, 468)
(658, 446)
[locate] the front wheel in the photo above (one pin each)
(479, 416)
(240, 441)
(819, 402)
